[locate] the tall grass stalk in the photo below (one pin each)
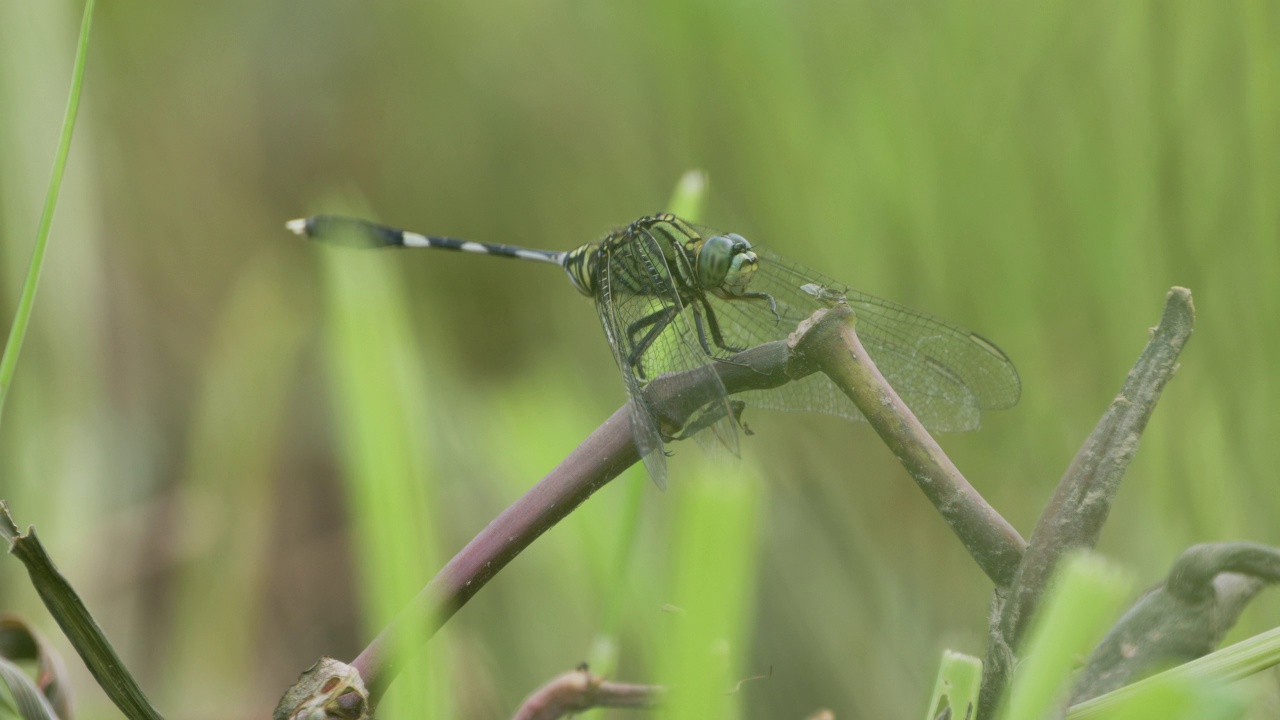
(714, 552)
(21, 319)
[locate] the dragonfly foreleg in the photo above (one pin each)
(773, 304)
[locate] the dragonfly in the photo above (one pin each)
(674, 297)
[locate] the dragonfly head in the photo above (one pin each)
(725, 264)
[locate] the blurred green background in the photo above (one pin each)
(1040, 172)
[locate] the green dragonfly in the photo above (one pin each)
(677, 298)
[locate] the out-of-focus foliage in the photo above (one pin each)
(1039, 172)
(1087, 596)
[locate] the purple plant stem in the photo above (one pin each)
(600, 458)
(578, 691)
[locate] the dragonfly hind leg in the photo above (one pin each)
(656, 322)
(709, 415)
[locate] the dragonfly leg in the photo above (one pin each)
(706, 417)
(773, 304)
(702, 333)
(715, 330)
(738, 406)
(659, 322)
(711, 414)
(715, 334)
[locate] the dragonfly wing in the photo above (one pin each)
(644, 426)
(946, 374)
(652, 334)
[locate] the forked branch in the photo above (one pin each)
(610, 450)
(832, 345)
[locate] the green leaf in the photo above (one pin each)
(20, 642)
(28, 701)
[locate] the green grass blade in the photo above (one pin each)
(959, 680)
(1171, 699)
(690, 196)
(1087, 597)
(1226, 665)
(18, 331)
(713, 556)
(28, 703)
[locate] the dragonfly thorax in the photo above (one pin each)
(725, 264)
(582, 264)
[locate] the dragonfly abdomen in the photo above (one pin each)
(353, 232)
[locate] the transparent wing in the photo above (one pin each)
(946, 374)
(650, 332)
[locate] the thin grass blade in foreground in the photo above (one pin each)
(1226, 665)
(1173, 700)
(28, 702)
(1229, 664)
(79, 626)
(21, 319)
(20, 643)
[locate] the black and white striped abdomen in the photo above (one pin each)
(353, 232)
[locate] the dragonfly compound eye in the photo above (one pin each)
(725, 262)
(742, 264)
(714, 258)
